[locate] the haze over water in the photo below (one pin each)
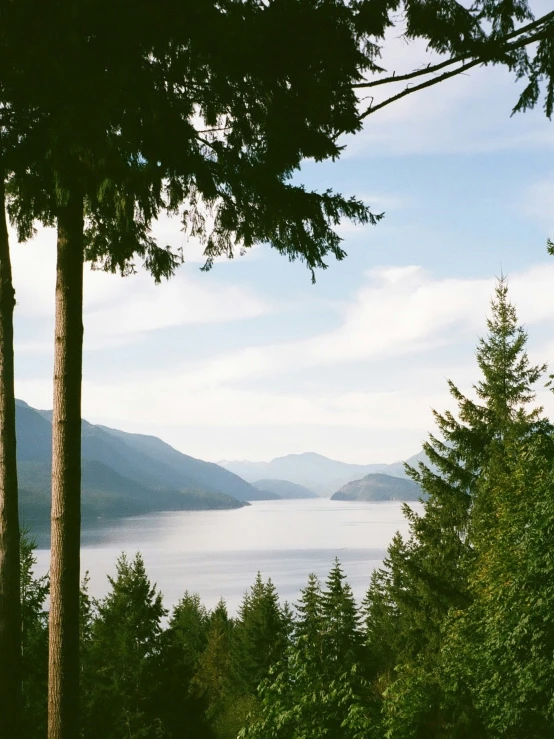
(218, 553)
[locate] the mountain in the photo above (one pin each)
(314, 471)
(377, 486)
(123, 474)
(283, 489)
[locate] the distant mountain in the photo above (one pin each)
(123, 474)
(314, 471)
(283, 489)
(376, 486)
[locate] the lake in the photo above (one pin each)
(218, 553)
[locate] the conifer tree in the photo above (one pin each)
(318, 689)
(260, 636)
(501, 647)
(427, 576)
(105, 164)
(10, 615)
(125, 646)
(341, 634)
(120, 88)
(183, 710)
(34, 622)
(213, 680)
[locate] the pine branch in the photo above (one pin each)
(431, 69)
(454, 72)
(422, 86)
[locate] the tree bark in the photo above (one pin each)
(63, 662)
(10, 606)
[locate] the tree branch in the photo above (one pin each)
(431, 69)
(422, 86)
(454, 72)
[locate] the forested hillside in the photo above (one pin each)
(376, 487)
(122, 474)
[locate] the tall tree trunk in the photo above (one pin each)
(10, 607)
(63, 663)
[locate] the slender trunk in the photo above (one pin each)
(63, 663)
(10, 606)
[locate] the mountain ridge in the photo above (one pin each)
(377, 486)
(122, 473)
(315, 471)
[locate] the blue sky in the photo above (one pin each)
(253, 361)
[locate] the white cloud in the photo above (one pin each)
(396, 316)
(118, 310)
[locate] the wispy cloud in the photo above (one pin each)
(398, 312)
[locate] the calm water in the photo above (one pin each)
(218, 553)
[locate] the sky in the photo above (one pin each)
(252, 361)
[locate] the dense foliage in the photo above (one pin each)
(455, 637)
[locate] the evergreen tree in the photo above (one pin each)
(124, 651)
(426, 577)
(10, 615)
(182, 709)
(213, 680)
(501, 647)
(34, 620)
(103, 164)
(260, 636)
(318, 689)
(341, 636)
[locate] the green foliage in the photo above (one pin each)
(34, 617)
(508, 630)
(260, 637)
(183, 711)
(318, 688)
(426, 579)
(125, 646)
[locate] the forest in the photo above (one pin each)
(454, 638)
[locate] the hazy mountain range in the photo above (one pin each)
(123, 474)
(315, 472)
(283, 489)
(127, 474)
(376, 486)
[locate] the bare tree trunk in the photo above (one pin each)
(63, 663)
(10, 607)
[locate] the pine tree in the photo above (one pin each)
(426, 577)
(111, 161)
(318, 689)
(183, 710)
(341, 623)
(124, 650)
(508, 629)
(213, 680)
(260, 636)
(34, 621)
(10, 615)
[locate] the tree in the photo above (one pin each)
(184, 712)
(260, 636)
(318, 689)
(426, 578)
(508, 630)
(124, 651)
(103, 159)
(10, 617)
(34, 622)
(213, 680)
